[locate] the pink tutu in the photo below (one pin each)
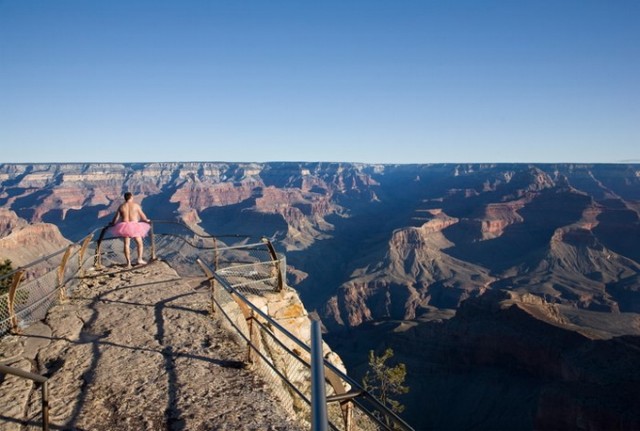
(130, 229)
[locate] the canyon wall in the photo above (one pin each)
(409, 250)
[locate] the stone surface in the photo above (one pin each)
(136, 349)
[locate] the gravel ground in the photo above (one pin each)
(136, 350)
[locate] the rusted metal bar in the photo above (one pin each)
(97, 258)
(344, 397)
(215, 254)
(251, 338)
(276, 261)
(11, 299)
(5, 369)
(61, 269)
(153, 241)
(81, 253)
(212, 285)
(45, 406)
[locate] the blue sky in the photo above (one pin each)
(362, 81)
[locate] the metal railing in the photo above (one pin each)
(242, 265)
(35, 287)
(4, 369)
(350, 406)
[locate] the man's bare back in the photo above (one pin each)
(131, 211)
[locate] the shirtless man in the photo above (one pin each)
(130, 222)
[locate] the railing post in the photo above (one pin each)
(251, 337)
(45, 406)
(11, 299)
(5, 369)
(61, 268)
(319, 419)
(97, 258)
(212, 285)
(153, 242)
(215, 254)
(83, 250)
(276, 261)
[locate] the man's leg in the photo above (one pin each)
(127, 252)
(140, 245)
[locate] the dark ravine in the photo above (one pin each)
(399, 254)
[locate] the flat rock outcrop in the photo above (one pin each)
(136, 349)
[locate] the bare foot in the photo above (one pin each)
(142, 262)
(129, 266)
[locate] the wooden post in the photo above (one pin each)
(61, 268)
(11, 300)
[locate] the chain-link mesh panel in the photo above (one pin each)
(253, 278)
(273, 367)
(286, 359)
(43, 282)
(5, 323)
(245, 266)
(33, 298)
(295, 364)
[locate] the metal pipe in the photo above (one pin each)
(319, 419)
(5, 369)
(344, 397)
(45, 406)
(398, 422)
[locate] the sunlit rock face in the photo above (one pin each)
(457, 266)
(373, 242)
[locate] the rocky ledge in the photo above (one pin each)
(136, 349)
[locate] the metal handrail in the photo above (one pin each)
(35, 262)
(5, 369)
(356, 395)
(359, 391)
(319, 416)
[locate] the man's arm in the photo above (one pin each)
(143, 216)
(116, 217)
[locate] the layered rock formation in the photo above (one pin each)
(23, 243)
(380, 243)
(550, 366)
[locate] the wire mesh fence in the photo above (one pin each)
(39, 285)
(286, 361)
(5, 318)
(255, 278)
(243, 266)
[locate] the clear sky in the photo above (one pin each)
(364, 81)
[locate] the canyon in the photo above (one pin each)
(511, 291)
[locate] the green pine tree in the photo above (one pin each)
(384, 381)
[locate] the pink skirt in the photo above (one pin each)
(130, 229)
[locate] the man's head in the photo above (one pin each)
(128, 196)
